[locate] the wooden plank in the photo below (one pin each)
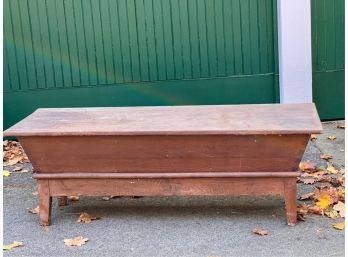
(167, 187)
(172, 120)
(201, 153)
(88, 175)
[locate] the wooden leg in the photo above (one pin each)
(290, 196)
(62, 200)
(45, 202)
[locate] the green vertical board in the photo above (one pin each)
(328, 57)
(141, 52)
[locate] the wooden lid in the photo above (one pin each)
(171, 120)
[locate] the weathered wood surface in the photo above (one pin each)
(181, 150)
(196, 153)
(172, 120)
(168, 186)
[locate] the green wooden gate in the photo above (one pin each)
(137, 52)
(328, 57)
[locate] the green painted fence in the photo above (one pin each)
(328, 57)
(137, 52)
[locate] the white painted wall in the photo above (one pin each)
(295, 56)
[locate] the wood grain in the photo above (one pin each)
(168, 186)
(290, 195)
(45, 202)
(172, 120)
(196, 153)
(163, 151)
(90, 175)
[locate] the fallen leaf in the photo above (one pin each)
(325, 197)
(307, 166)
(17, 168)
(313, 137)
(316, 210)
(339, 225)
(331, 137)
(76, 241)
(260, 231)
(35, 210)
(6, 173)
(341, 126)
(107, 198)
(336, 182)
(331, 213)
(340, 207)
(326, 156)
(341, 193)
(305, 196)
(13, 245)
(86, 218)
(24, 171)
(330, 168)
(324, 202)
(13, 153)
(307, 180)
(14, 161)
(73, 198)
(302, 211)
(35, 193)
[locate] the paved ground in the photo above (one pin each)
(175, 226)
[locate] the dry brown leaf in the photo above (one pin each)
(341, 126)
(305, 196)
(332, 137)
(331, 213)
(307, 166)
(24, 171)
(73, 198)
(339, 226)
(302, 211)
(316, 210)
(341, 193)
(76, 241)
(13, 153)
(107, 198)
(14, 161)
(313, 137)
(35, 210)
(17, 168)
(340, 207)
(330, 168)
(260, 231)
(86, 218)
(307, 180)
(326, 156)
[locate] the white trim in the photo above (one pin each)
(295, 56)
